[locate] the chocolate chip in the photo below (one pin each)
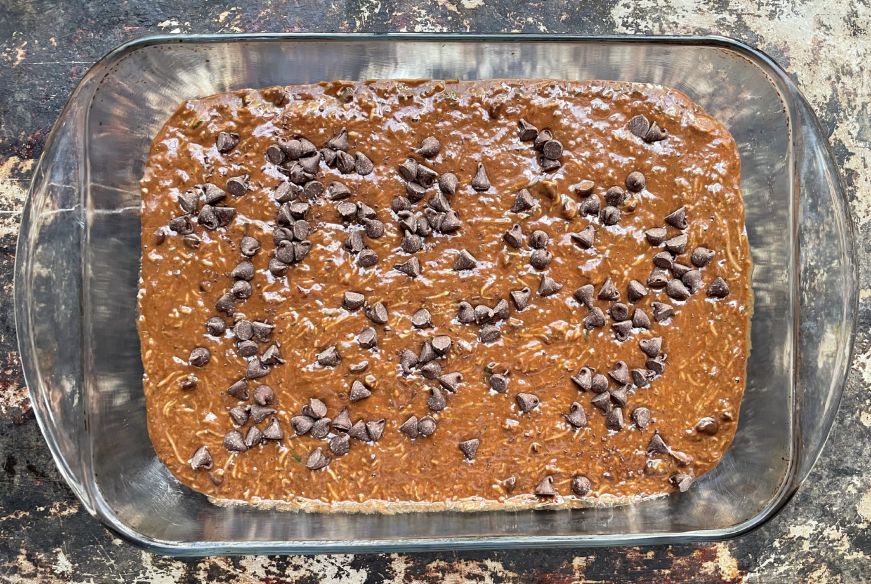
(310, 165)
(439, 203)
(345, 163)
(191, 241)
(313, 189)
(620, 396)
(375, 429)
(263, 395)
(589, 206)
(552, 149)
(216, 326)
(708, 426)
(480, 182)
(226, 141)
(465, 261)
(656, 235)
(640, 319)
(548, 286)
(237, 185)
(262, 330)
(498, 383)
(352, 300)
(431, 370)
(539, 239)
(421, 319)
(329, 357)
(520, 297)
(527, 401)
(408, 169)
(451, 381)
(275, 154)
(576, 417)
(188, 382)
(241, 289)
(635, 181)
(635, 291)
(701, 257)
(243, 330)
(545, 487)
(679, 269)
(610, 215)
(581, 485)
(367, 258)
(523, 202)
(234, 442)
(358, 431)
(448, 183)
(655, 133)
(676, 289)
(410, 267)
(272, 356)
(206, 218)
(430, 147)
(501, 311)
(224, 215)
(651, 347)
(595, 319)
(641, 417)
(483, 314)
(358, 391)
(354, 242)
(317, 460)
(489, 333)
(239, 415)
(614, 419)
(286, 192)
(226, 304)
(469, 448)
(656, 365)
(239, 390)
(409, 427)
(201, 459)
(426, 427)
(377, 313)
(677, 218)
(540, 259)
(677, 245)
(658, 279)
(663, 260)
(619, 311)
(260, 413)
(602, 401)
(199, 357)
(639, 125)
(608, 291)
(465, 313)
(367, 338)
(599, 383)
(619, 372)
(412, 243)
(255, 436)
(340, 445)
(543, 137)
(301, 424)
(247, 349)
(622, 330)
(585, 238)
(657, 445)
(441, 344)
(526, 132)
(584, 296)
(662, 311)
(583, 379)
(718, 288)
(315, 408)
(681, 481)
(425, 176)
(321, 428)
(693, 281)
(615, 196)
(514, 236)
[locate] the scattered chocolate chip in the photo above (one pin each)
(226, 304)
(315, 408)
(542, 137)
(483, 314)
(409, 427)
(469, 448)
(526, 401)
(480, 182)
(526, 132)
(247, 349)
(239, 390)
(430, 147)
(655, 133)
(226, 141)
(191, 241)
(342, 422)
(498, 383)
(345, 163)
(708, 426)
(188, 383)
(426, 427)
(352, 300)
(199, 357)
(501, 311)
(367, 338)
(272, 356)
(375, 429)
(651, 347)
(431, 370)
(426, 176)
(641, 417)
(260, 413)
(540, 259)
(234, 442)
(662, 311)
(201, 459)
(622, 329)
(679, 270)
(576, 417)
(599, 383)
(656, 235)
(614, 419)
(581, 485)
(358, 431)
(610, 215)
(663, 260)
(552, 149)
(465, 313)
(548, 286)
(377, 313)
(408, 169)
(584, 379)
(255, 436)
(329, 357)
(619, 311)
(241, 289)
(412, 243)
(639, 125)
(635, 291)
(521, 297)
(584, 296)
(421, 319)
(590, 206)
(640, 319)
(635, 181)
(681, 481)
(656, 365)
(448, 183)
(262, 330)
(317, 460)
(545, 487)
(658, 279)
(301, 424)
(693, 281)
(451, 381)
(489, 333)
(701, 257)
(657, 445)
(367, 258)
(585, 238)
(619, 372)
(595, 319)
(216, 326)
(615, 196)
(676, 289)
(602, 401)
(608, 291)
(275, 154)
(441, 344)
(514, 236)
(410, 267)
(620, 396)
(523, 202)
(465, 261)
(718, 288)
(677, 245)
(239, 415)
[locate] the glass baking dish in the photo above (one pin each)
(78, 259)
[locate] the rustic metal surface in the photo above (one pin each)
(821, 536)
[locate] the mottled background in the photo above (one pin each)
(821, 536)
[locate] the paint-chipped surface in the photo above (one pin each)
(821, 536)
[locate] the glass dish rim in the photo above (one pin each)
(784, 85)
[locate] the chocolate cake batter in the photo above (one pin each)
(389, 296)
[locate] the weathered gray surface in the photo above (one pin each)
(821, 536)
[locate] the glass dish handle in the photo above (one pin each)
(48, 293)
(828, 287)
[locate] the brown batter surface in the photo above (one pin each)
(594, 352)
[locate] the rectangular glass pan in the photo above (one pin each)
(78, 261)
